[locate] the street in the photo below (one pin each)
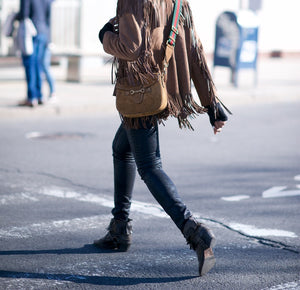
(56, 193)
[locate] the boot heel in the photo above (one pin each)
(201, 240)
(213, 242)
(208, 263)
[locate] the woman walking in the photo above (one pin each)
(137, 38)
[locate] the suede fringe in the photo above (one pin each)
(199, 55)
(144, 69)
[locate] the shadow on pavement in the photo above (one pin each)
(96, 280)
(86, 249)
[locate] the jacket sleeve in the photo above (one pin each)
(201, 76)
(127, 43)
(199, 70)
(24, 9)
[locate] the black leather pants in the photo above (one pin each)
(140, 148)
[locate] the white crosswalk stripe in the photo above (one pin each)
(137, 206)
(20, 198)
(102, 220)
(295, 285)
(60, 226)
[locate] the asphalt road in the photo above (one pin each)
(56, 197)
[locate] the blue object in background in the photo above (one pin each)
(236, 42)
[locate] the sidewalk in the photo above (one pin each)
(278, 81)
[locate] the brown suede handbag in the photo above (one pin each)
(151, 98)
(143, 100)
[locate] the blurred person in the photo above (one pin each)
(48, 75)
(47, 62)
(39, 13)
(137, 38)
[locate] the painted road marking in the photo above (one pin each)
(256, 232)
(297, 177)
(94, 222)
(278, 191)
(17, 198)
(32, 135)
(137, 206)
(235, 197)
(295, 285)
(156, 210)
(36, 281)
(54, 227)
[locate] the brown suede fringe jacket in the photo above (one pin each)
(138, 44)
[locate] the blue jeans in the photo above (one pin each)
(33, 65)
(140, 148)
(46, 70)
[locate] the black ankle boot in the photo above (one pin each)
(118, 237)
(201, 240)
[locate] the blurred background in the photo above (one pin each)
(75, 23)
(265, 39)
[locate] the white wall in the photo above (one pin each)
(94, 15)
(205, 15)
(6, 44)
(280, 22)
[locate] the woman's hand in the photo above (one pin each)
(217, 119)
(218, 126)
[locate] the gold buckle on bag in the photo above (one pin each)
(141, 91)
